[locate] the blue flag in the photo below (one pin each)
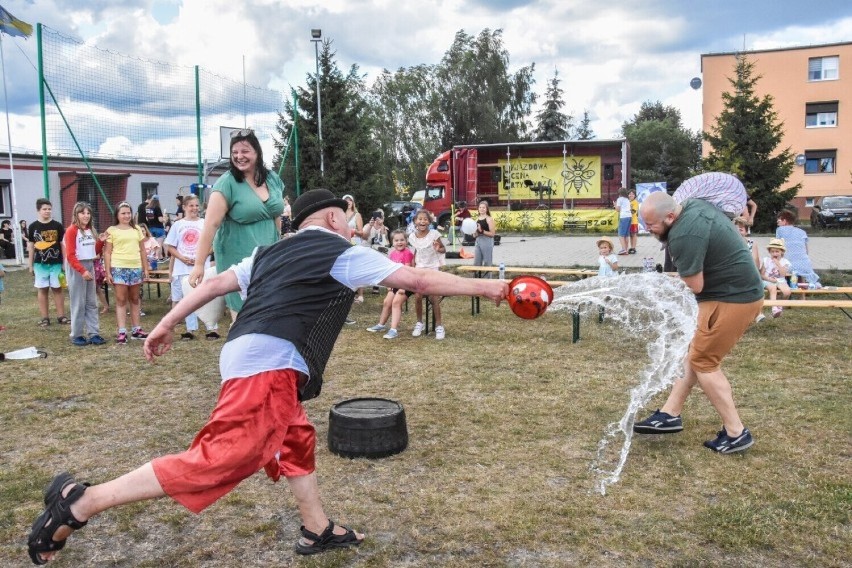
(13, 26)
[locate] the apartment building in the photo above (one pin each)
(812, 91)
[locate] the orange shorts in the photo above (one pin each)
(720, 326)
(258, 422)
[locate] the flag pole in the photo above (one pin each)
(16, 226)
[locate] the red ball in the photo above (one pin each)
(529, 296)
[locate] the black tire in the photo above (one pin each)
(367, 428)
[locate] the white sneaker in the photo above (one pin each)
(391, 334)
(759, 318)
(418, 329)
(439, 332)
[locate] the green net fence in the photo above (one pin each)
(120, 106)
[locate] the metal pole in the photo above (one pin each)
(16, 225)
(319, 108)
(564, 177)
(198, 127)
(296, 141)
(44, 165)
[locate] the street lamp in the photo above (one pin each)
(316, 35)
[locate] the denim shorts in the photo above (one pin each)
(157, 232)
(126, 276)
(47, 275)
(624, 226)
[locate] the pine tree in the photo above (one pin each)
(745, 142)
(584, 130)
(553, 124)
(351, 158)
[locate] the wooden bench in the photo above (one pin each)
(806, 302)
(574, 226)
(809, 303)
(845, 290)
(159, 276)
(479, 271)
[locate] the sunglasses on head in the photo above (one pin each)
(241, 133)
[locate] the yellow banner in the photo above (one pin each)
(569, 220)
(551, 178)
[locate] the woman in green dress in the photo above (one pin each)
(243, 211)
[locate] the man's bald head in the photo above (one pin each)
(659, 211)
(660, 202)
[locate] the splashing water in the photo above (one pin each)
(653, 306)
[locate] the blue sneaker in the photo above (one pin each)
(97, 340)
(659, 423)
(725, 444)
(391, 334)
(80, 341)
(377, 327)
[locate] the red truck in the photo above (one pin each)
(528, 175)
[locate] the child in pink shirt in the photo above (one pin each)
(392, 304)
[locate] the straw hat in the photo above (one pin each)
(606, 240)
(776, 244)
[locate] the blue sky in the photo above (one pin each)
(611, 57)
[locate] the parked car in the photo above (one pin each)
(832, 211)
(397, 212)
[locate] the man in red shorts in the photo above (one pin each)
(714, 262)
(297, 295)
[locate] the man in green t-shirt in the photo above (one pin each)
(714, 262)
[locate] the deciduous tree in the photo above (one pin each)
(404, 105)
(661, 149)
(479, 100)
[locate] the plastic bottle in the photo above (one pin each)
(794, 280)
(648, 264)
(502, 271)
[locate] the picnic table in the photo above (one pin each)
(480, 271)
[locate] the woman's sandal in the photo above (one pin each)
(63, 319)
(325, 541)
(56, 515)
(44, 322)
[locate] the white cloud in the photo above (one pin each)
(610, 58)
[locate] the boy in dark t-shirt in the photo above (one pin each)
(46, 253)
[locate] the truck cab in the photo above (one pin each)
(438, 197)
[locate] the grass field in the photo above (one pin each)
(504, 417)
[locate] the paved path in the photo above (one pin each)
(561, 251)
(539, 250)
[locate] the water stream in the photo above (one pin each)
(654, 307)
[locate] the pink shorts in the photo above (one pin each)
(258, 422)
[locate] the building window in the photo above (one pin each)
(149, 189)
(821, 115)
(823, 68)
(5, 198)
(809, 201)
(820, 161)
